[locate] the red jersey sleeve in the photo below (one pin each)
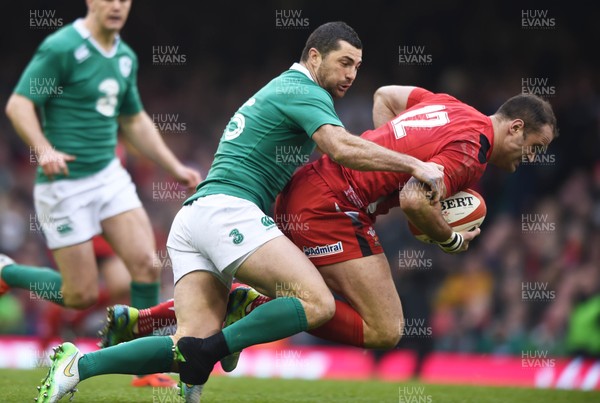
(462, 168)
(416, 96)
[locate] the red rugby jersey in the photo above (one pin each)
(434, 127)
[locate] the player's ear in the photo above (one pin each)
(516, 127)
(314, 57)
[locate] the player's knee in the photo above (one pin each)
(387, 335)
(144, 268)
(388, 339)
(320, 310)
(79, 299)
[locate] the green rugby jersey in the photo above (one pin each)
(268, 138)
(80, 89)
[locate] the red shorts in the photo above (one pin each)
(102, 248)
(327, 228)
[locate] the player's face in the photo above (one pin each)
(520, 147)
(338, 69)
(110, 14)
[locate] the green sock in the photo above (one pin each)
(283, 317)
(144, 295)
(147, 355)
(42, 282)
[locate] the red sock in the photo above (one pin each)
(345, 327)
(261, 299)
(156, 317)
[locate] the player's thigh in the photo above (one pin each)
(200, 304)
(279, 269)
(77, 266)
(124, 222)
(67, 211)
(130, 235)
(367, 284)
(279, 266)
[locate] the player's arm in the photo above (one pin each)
(48, 62)
(21, 112)
(389, 101)
(427, 216)
(357, 153)
(141, 133)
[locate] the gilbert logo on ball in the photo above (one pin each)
(463, 211)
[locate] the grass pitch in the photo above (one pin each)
(18, 386)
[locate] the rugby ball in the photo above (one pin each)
(463, 211)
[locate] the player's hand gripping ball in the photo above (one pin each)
(463, 211)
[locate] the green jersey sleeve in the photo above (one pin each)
(42, 78)
(311, 110)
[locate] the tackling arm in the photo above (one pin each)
(357, 153)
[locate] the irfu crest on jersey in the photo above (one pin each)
(125, 65)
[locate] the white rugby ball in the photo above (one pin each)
(463, 211)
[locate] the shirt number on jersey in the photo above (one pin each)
(107, 104)
(425, 117)
(236, 125)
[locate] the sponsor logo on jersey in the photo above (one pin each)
(323, 250)
(353, 198)
(81, 53)
(125, 65)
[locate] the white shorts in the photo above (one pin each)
(70, 211)
(217, 233)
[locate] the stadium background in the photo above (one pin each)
(543, 228)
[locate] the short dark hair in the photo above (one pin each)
(533, 110)
(327, 36)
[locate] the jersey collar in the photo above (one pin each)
(86, 34)
(302, 69)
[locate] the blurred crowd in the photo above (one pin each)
(531, 280)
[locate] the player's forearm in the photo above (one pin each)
(141, 133)
(363, 155)
(21, 113)
(424, 215)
